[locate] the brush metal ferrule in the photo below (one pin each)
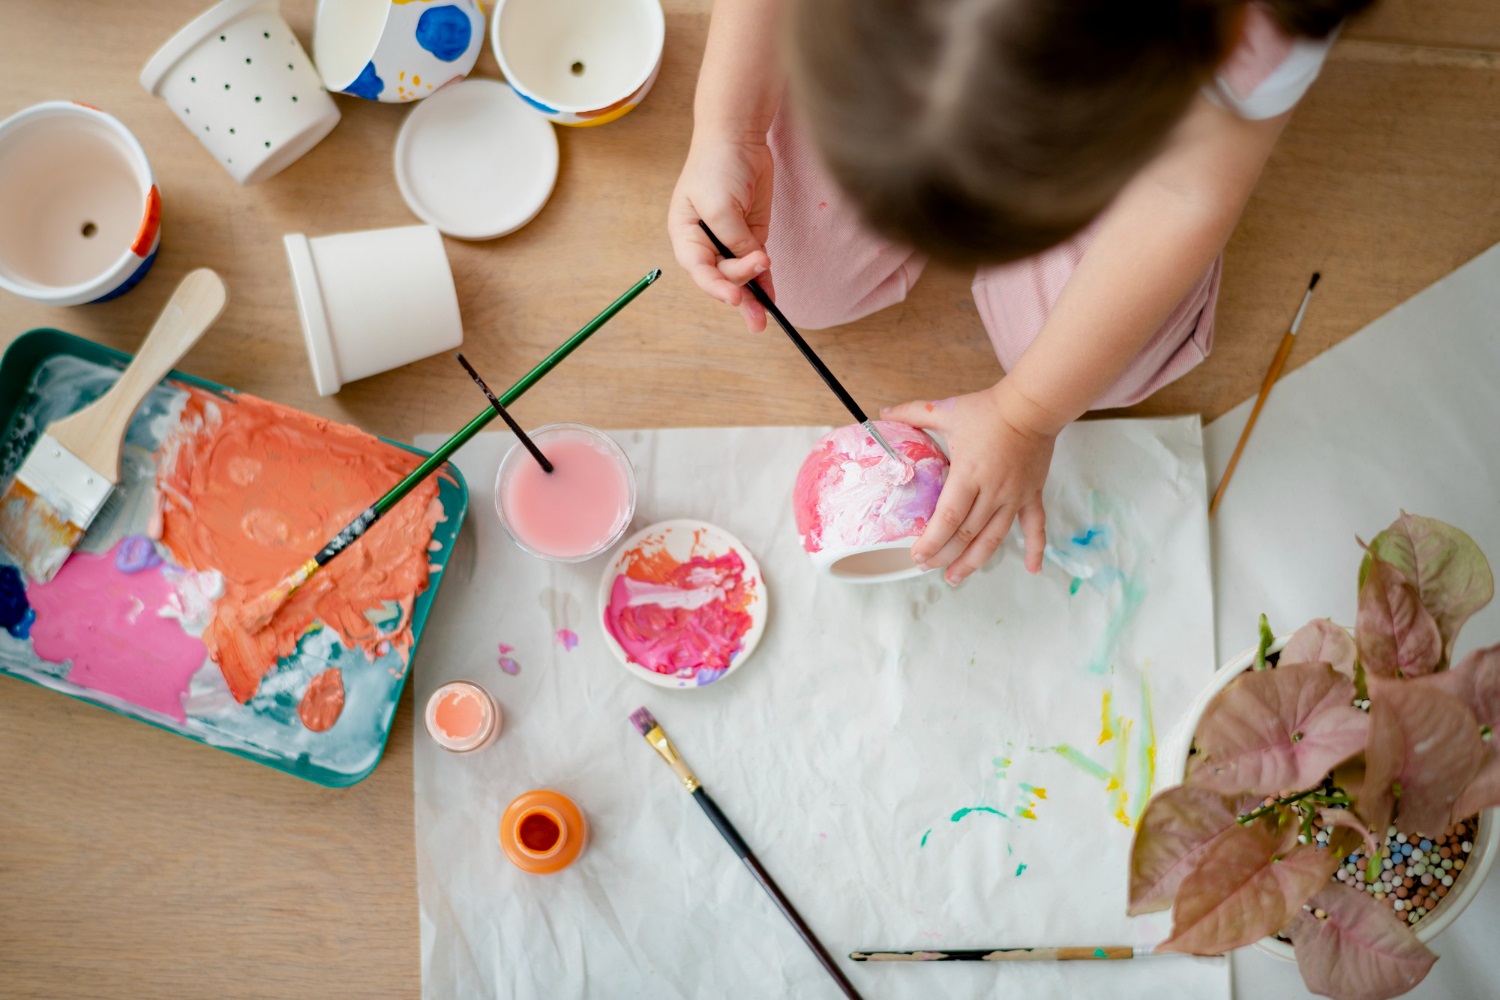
(65, 482)
(657, 737)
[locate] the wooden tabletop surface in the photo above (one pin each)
(135, 863)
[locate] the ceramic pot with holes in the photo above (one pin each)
(80, 214)
(579, 62)
(858, 511)
(239, 80)
(396, 51)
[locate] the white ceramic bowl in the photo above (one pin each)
(396, 51)
(672, 544)
(1486, 843)
(239, 80)
(579, 62)
(80, 215)
(372, 301)
(858, 511)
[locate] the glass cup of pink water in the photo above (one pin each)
(578, 510)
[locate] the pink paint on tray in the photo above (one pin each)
(105, 620)
(850, 494)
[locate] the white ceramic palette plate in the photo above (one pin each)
(682, 604)
(474, 161)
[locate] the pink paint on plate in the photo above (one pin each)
(106, 622)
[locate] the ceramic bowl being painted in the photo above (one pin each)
(579, 62)
(683, 604)
(80, 215)
(239, 80)
(859, 512)
(396, 51)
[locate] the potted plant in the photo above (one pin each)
(1331, 781)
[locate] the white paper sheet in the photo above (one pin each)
(1404, 414)
(865, 752)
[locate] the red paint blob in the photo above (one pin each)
(539, 832)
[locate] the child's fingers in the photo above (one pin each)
(949, 524)
(753, 313)
(1033, 520)
(917, 413)
(981, 548)
(695, 255)
(742, 269)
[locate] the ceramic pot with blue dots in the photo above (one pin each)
(396, 51)
(240, 81)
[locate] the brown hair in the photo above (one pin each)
(981, 131)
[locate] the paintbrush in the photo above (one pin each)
(648, 727)
(1101, 954)
(807, 351)
(1272, 374)
(260, 612)
(75, 465)
(504, 415)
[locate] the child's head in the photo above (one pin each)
(987, 130)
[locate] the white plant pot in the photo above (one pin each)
(396, 51)
(80, 214)
(239, 80)
(579, 62)
(1486, 842)
(856, 516)
(372, 301)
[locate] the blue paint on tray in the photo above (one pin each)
(445, 31)
(16, 615)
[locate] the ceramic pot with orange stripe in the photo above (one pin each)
(579, 62)
(80, 214)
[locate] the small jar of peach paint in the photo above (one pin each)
(462, 717)
(543, 832)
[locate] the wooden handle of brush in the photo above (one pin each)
(1274, 373)
(94, 433)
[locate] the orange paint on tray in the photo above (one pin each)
(323, 701)
(251, 489)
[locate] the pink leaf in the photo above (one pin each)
(1179, 825)
(1352, 820)
(1396, 634)
(1475, 681)
(1321, 641)
(1360, 951)
(1245, 888)
(1482, 791)
(1278, 729)
(1449, 571)
(1424, 747)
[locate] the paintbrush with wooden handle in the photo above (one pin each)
(75, 465)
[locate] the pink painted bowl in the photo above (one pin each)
(859, 512)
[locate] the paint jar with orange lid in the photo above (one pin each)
(462, 717)
(543, 832)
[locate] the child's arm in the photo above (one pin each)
(1161, 233)
(726, 180)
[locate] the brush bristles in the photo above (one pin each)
(643, 721)
(1314, 282)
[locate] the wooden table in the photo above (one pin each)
(135, 863)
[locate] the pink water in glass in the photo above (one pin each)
(580, 508)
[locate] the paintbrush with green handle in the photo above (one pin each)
(260, 612)
(75, 465)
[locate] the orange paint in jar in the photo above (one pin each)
(543, 832)
(462, 717)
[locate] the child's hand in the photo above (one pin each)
(726, 183)
(999, 467)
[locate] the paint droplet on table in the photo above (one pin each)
(568, 638)
(924, 838)
(323, 701)
(508, 664)
(16, 615)
(1019, 870)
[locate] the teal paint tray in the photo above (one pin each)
(46, 374)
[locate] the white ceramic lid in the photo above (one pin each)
(475, 161)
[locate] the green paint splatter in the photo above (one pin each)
(1019, 870)
(1009, 850)
(1100, 953)
(1074, 585)
(1081, 761)
(924, 838)
(1132, 594)
(977, 809)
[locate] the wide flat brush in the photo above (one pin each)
(75, 465)
(260, 612)
(646, 724)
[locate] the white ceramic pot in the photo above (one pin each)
(396, 51)
(372, 301)
(1481, 858)
(80, 214)
(237, 77)
(579, 62)
(858, 511)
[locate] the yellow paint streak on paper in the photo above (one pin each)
(1146, 762)
(1106, 733)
